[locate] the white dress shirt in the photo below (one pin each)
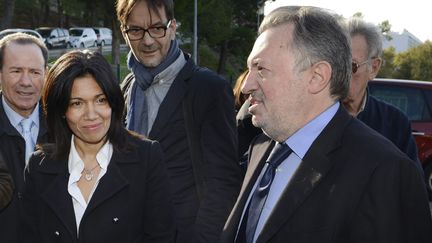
(300, 143)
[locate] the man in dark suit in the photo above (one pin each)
(317, 174)
(189, 110)
(23, 62)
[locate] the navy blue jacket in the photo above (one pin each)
(393, 124)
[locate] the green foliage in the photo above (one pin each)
(220, 21)
(215, 21)
(358, 15)
(73, 7)
(387, 67)
(415, 63)
(385, 27)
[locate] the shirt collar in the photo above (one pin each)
(103, 156)
(301, 140)
(16, 118)
(363, 105)
(168, 75)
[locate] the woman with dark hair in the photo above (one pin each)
(94, 181)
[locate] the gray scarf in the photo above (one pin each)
(137, 117)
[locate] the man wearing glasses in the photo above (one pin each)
(189, 110)
(366, 45)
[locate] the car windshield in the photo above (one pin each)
(44, 32)
(11, 32)
(75, 32)
(31, 33)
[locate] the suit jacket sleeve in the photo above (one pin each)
(214, 113)
(394, 208)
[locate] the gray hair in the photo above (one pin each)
(318, 35)
(371, 33)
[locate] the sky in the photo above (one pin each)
(414, 15)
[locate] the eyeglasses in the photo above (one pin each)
(356, 66)
(137, 33)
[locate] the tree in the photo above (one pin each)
(415, 63)
(8, 7)
(226, 26)
(385, 27)
(358, 15)
(387, 67)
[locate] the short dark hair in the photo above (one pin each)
(124, 8)
(318, 35)
(22, 39)
(56, 96)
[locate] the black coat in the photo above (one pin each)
(195, 126)
(6, 184)
(353, 185)
(393, 124)
(12, 146)
(131, 203)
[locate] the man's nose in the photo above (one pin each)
(26, 79)
(147, 39)
(249, 83)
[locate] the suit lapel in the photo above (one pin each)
(314, 167)
(259, 153)
(112, 182)
(173, 99)
(58, 198)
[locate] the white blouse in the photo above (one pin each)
(76, 167)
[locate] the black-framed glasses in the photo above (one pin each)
(137, 33)
(356, 66)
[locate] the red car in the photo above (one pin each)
(414, 98)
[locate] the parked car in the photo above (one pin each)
(82, 37)
(54, 37)
(27, 31)
(104, 36)
(414, 98)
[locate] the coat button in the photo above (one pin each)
(56, 233)
(115, 220)
(19, 195)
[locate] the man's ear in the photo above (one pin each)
(375, 67)
(173, 26)
(321, 74)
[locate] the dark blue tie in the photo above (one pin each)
(252, 214)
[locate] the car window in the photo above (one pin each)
(44, 32)
(413, 102)
(75, 32)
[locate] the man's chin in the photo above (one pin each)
(150, 62)
(256, 122)
(347, 101)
